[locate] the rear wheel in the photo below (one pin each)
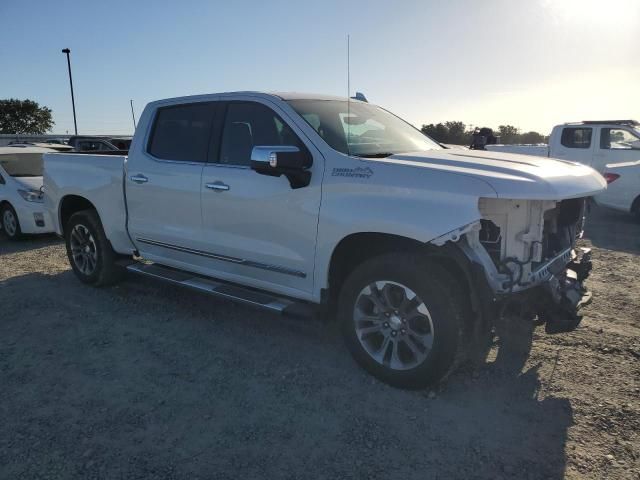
(89, 251)
(401, 319)
(10, 222)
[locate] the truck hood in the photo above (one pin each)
(510, 175)
(29, 183)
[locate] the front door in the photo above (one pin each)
(257, 229)
(163, 184)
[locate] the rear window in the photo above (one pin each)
(22, 164)
(576, 137)
(182, 132)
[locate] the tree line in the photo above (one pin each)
(456, 133)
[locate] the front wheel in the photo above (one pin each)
(89, 251)
(401, 319)
(10, 222)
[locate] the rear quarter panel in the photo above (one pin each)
(98, 179)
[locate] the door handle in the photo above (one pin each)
(138, 178)
(217, 186)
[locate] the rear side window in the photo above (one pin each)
(576, 137)
(182, 132)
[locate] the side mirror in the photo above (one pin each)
(283, 160)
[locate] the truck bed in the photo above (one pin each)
(96, 177)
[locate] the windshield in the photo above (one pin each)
(360, 129)
(22, 164)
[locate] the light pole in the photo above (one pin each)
(133, 115)
(73, 102)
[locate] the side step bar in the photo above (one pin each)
(267, 301)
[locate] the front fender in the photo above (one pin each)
(402, 201)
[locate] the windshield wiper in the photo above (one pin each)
(373, 155)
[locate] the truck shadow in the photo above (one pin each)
(144, 379)
(613, 230)
(29, 242)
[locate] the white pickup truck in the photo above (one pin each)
(612, 147)
(301, 203)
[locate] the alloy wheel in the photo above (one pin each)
(9, 223)
(83, 249)
(393, 325)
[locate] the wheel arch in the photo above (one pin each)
(356, 248)
(69, 205)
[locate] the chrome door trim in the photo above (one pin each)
(224, 258)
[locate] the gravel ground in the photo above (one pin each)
(144, 380)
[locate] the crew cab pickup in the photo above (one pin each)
(612, 147)
(309, 203)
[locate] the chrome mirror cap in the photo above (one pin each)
(268, 155)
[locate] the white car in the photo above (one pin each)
(295, 202)
(623, 190)
(22, 209)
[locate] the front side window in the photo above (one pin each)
(182, 132)
(251, 124)
(619, 139)
(576, 137)
(361, 129)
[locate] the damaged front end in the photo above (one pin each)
(527, 249)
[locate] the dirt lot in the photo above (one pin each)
(146, 381)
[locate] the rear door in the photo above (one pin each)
(163, 181)
(575, 144)
(257, 229)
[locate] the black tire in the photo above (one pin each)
(105, 271)
(435, 288)
(635, 209)
(16, 234)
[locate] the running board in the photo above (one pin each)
(267, 301)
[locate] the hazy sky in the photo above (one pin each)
(530, 63)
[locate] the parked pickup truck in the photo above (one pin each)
(307, 203)
(612, 147)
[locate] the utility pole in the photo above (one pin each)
(73, 102)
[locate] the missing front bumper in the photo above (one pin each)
(564, 295)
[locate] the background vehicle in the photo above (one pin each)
(52, 146)
(607, 146)
(99, 144)
(296, 203)
(21, 200)
(596, 143)
(623, 189)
